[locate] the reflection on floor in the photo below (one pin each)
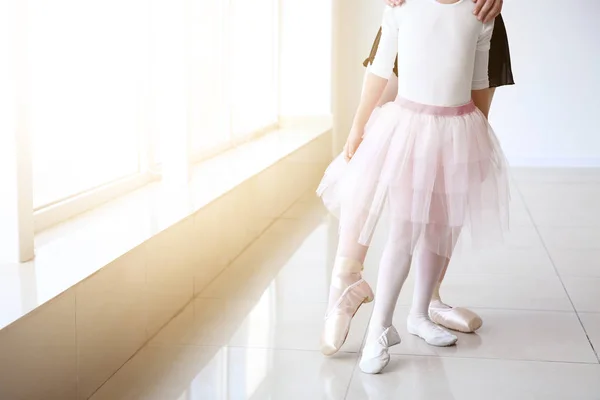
(254, 332)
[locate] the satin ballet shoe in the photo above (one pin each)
(456, 318)
(375, 356)
(430, 332)
(339, 317)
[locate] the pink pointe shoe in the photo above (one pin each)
(456, 318)
(339, 317)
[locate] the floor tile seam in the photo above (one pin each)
(346, 352)
(193, 298)
(227, 346)
(400, 304)
(463, 357)
(537, 229)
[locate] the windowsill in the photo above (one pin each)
(72, 251)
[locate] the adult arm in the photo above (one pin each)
(486, 10)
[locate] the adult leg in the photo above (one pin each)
(347, 267)
(349, 248)
(348, 291)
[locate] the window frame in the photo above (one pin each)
(197, 156)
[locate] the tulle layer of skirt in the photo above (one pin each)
(434, 170)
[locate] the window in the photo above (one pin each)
(86, 63)
(235, 74)
(253, 64)
(93, 70)
(210, 117)
(105, 96)
(87, 90)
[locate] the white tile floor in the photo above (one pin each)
(254, 332)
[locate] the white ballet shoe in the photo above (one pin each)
(430, 332)
(375, 356)
(338, 319)
(455, 318)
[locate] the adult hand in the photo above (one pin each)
(394, 3)
(487, 10)
(354, 140)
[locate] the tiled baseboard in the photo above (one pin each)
(68, 347)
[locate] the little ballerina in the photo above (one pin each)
(430, 157)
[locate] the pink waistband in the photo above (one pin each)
(436, 110)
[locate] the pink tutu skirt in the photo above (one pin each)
(434, 170)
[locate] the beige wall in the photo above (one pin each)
(355, 24)
(549, 118)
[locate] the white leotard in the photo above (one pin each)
(443, 51)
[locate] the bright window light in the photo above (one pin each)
(209, 108)
(112, 95)
(85, 93)
(253, 64)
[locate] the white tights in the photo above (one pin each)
(393, 270)
(428, 273)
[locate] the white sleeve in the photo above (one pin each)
(482, 58)
(383, 62)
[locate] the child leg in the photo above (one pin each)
(429, 269)
(393, 270)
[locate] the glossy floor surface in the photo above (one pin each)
(254, 332)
